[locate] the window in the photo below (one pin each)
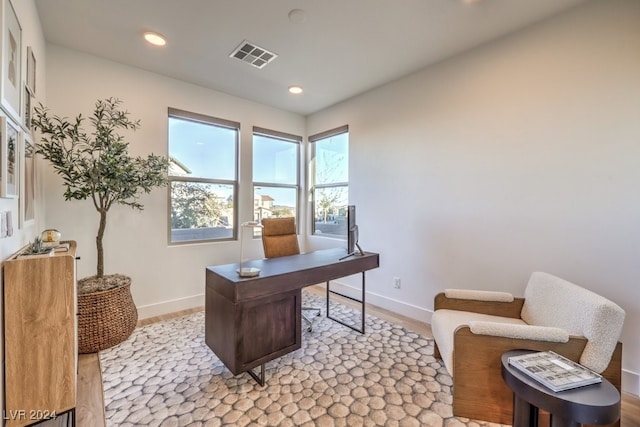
(276, 160)
(202, 177)
(330, 191)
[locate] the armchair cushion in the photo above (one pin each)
(445, 322)
(551, 301)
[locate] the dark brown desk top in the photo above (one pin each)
(592, 404)
(287, 273)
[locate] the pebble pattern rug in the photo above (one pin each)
(165, 375)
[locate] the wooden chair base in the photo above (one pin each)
(478, 389)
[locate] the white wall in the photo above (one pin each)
(519, 156)
(165, 278)
(31, 36)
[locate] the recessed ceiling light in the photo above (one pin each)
(295, 89)
(155, 38)
(297, 16)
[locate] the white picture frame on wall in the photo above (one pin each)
(27, 110)
(10, 158)
(11, 73)
(27, 183)
(31, 71)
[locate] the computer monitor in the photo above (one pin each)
(352, 231)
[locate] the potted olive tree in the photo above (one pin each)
(96, 165)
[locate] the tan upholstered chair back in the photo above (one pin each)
(279, 237)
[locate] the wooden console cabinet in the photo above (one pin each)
(40, 344)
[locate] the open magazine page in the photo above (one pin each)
(554, 371)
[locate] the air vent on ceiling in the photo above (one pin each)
(252, 54)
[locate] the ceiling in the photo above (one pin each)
(340, 49)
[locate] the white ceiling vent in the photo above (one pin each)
(252, 54)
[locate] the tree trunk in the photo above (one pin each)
(103, 224)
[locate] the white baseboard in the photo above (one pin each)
(166, 307)
(398, 307)
(631, 382)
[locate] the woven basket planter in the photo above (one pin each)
(106, 318)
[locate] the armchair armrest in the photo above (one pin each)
(478, 295)
(496, 308)
(523, 332)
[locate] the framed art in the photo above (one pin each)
(26, 113)
(10, 77)
(31, 71)
(9, 162)
(27, 183)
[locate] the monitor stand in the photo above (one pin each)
(359, 252)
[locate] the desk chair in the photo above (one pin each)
(279, 238)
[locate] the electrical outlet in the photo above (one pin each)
(396, 282)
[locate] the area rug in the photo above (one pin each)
(165, 375)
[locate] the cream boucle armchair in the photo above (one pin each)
(473, 328)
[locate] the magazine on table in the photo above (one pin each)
(554, 371)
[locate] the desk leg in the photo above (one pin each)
(259, 379)
(361, 301)
(524, 413)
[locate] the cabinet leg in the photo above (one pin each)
(258, 379)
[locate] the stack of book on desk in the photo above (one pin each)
(554, 371)
(61, 247)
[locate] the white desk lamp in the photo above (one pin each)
(247, 271)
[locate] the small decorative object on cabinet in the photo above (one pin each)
(36, 248)
(40, 343)
(51, 237)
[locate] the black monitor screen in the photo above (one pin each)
(352, 229)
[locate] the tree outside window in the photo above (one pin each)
(331, 187)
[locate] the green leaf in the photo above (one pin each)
(96, 164)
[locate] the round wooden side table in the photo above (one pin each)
(597, 404)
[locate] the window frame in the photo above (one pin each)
(214, 121)
(286, 137)
(314, 186)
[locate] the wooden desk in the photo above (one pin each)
(250, 321)
(596, 404)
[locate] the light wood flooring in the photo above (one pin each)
(90, 409)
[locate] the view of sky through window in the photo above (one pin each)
(204, 150)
